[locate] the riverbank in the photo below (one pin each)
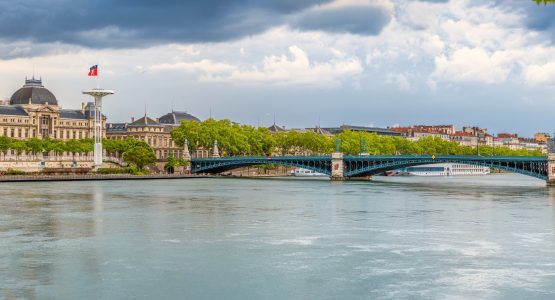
(93, 177)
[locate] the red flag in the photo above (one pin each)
(93, 71)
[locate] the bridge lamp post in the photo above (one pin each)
(493, 150)
(98, 94)
(363, 147)
(478, 144)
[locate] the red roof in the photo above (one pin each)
(401, 129)
(507, 135)
(461, 133)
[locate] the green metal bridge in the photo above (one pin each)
(359, 166)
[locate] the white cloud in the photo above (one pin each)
(206, 67)
(540, 74)
(297, 69)
(293, 69)
(474, 65)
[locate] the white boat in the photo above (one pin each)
(299, 172)
(442, 170)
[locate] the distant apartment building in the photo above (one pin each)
(414, 134)
(542, 137)
(475, 130)
(445, 129)
(464, 138)
(532, 144)
(474, 136)
(376, 130)
(508, 140)
(514, 142)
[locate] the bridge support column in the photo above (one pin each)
(551, 169)
(337, 166)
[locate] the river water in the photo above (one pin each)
(490, 237)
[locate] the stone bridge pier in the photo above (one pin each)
(551, 170)
(337, 166)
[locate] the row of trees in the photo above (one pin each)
(133, 151)
(36, 146)
(234, 139)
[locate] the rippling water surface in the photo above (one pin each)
(487, 237)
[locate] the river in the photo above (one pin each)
(490, 237)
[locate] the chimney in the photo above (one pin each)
(158, 120)
(132, 119)
(82, 107)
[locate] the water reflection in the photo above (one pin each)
(98, 207)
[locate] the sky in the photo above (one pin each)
(329, 62)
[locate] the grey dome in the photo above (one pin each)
(35, 91)
(175, 118)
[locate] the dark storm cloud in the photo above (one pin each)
(537, 17)
(365, 20)
(128, 23)
(138, 23)
(540, 17)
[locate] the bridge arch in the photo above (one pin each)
(537, 169)
(320, 164)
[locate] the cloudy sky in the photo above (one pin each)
(360, 62)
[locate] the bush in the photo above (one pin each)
(13, 172)
(110, 171)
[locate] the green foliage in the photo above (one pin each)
(385, 145)
(544, 2)
(5, 144)
(183, 163)
(79, 146)
(171, 164)
(236, 140)
(128, 170)
(13, 172)
(139, 154)
(135, 152)
(233, 139)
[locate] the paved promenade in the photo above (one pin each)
(29, 178)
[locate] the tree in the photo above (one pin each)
(19, 147)
(140, 156)
(5, 144)
(171, 164)
(56, 146)
(35, 146)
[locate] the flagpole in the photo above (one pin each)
(97, 79)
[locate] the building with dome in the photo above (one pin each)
(155, 132)
(33, 112)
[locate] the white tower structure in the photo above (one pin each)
(98, 94)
